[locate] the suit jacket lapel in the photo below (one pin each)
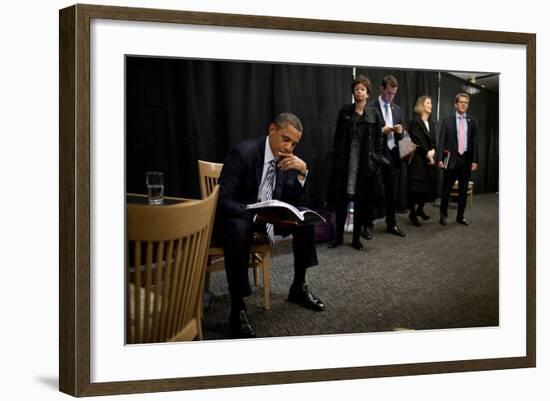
(377, 106)
(427, 132)
(433, 134)
(393, 114)
(279, 180)
(454, 132)
(259, 162)
(469, 136)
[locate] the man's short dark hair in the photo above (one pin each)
(284, 119)
(389, 80)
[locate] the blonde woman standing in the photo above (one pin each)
(421, 174)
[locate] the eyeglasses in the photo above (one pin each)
(462, 102)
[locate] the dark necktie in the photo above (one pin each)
(267, 193)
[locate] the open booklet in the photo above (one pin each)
(286, 211)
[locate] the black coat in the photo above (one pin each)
(372, 143)
(419, 170)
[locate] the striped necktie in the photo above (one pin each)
(267, 193)
(391, 139)
(461, 136)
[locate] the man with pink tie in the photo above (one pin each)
(457, 156)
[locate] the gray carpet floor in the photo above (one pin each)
(435, 278)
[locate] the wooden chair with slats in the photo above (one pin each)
(167, 250)
(260, 251)
(469, 192)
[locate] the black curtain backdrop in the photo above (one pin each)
(315, 94)
(179, 111)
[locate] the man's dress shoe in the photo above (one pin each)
(303, 297)
(443, 221)
(423, 215)
(463, 221)
(357, 245)
(366, 233)
(240, 325)
(335, 243)
(414, 220)
(396, 231)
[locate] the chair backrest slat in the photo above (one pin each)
(175, 280)
(166, 260)
(209, 174)
(137, 292)
(157, 283)
(147, 285)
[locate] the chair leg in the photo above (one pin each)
(256, 275)
(207, 280)
(266, 264)
(256, 264)
(199, 320)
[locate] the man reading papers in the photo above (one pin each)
(285, 211)
(259, 170)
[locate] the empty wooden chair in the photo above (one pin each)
(260, 251)
(469, 192)
(167, 250)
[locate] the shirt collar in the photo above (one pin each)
(268, 154)
(383, 102)
(458, 115)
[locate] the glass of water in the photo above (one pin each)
(155, 187)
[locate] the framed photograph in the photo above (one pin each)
(112, 62)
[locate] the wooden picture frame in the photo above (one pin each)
(75, 211)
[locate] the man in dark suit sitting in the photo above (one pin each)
(457, 155)
(256, 170)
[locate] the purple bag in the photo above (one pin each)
(325, 231)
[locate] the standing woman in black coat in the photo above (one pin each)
(356, 150)
(421, 174)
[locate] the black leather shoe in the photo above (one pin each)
(335, 243)
(443, 221)
(422, 215)
(366, 233)
(357, 245)
(395, 231)
(303, 297)
(414, 220)
(240, 326)
(463, 221)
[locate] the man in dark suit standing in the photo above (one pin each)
(257, 170)
(457, 155)
(393, 132)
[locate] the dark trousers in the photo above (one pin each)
(414, 204)
(341, 214)
(237, 234)
(462, 173)
(390, 177)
